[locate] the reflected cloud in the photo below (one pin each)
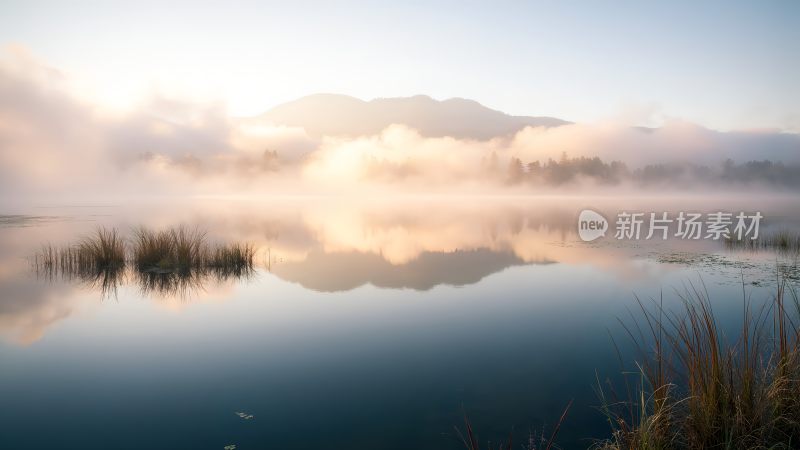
(337, 244)
(29, 307)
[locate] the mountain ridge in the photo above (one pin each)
(342, 115)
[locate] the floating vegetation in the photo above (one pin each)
(175, 261)
(761, 271)
(703, 259)
(244, 416)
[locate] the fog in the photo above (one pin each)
(55, 143)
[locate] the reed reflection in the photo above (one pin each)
(175, 262)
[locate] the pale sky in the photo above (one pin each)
(725, 64)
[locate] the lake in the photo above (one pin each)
(366, 323)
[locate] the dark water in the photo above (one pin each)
(366, 325)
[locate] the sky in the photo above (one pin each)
(725, 65)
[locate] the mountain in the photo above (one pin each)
(342, 115)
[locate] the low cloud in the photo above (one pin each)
(675, 141)
(53, 143)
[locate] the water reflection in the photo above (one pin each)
(348, 322)
(339, 245)
(105, 280)
(188, 283)
(177, 284)
(343, 271)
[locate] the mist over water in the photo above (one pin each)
(365, 321)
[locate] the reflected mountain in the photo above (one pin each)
(345, 271)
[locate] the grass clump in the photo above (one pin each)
(174, 249)
(97, 259)
(102, 250)
(171, 261)
(231, 259)
(184, 249)
(699, 390)
(781, 241)
(177, 261)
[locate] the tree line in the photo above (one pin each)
(568, 170)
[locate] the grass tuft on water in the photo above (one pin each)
(102, 250)
(183, 249)
(171, 260)
(782, 241)
(173, 249)
(697, 389)
(97, 259)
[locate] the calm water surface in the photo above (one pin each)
(366, 325)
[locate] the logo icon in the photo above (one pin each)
(591, 225)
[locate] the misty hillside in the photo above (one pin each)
(341, 115)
